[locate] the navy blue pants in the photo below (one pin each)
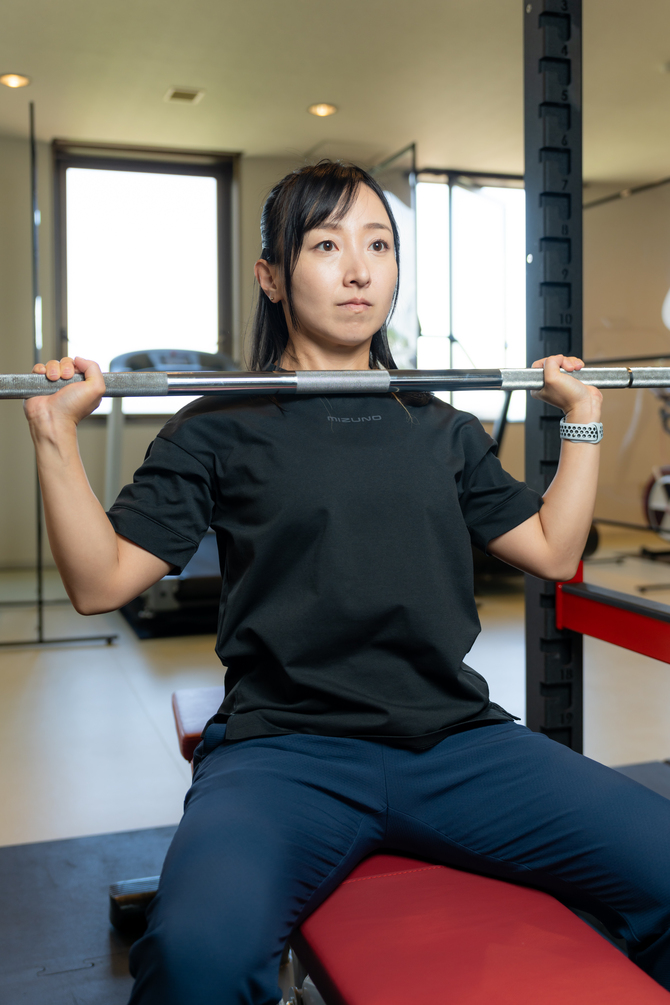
(271, 826)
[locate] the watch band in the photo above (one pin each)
(581, 432)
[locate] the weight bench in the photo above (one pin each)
(399, 931)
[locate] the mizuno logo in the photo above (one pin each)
(362, 418)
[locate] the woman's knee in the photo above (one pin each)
(178, 962)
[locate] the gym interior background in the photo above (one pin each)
(447, 78)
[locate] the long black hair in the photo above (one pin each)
(302, 201)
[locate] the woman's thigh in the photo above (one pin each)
(270, 827)
(515, 804)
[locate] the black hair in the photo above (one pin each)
(302, 201)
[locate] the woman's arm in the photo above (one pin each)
(551, 543)
(100, 569)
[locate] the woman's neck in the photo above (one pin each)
(303, 354)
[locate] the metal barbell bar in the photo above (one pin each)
(140, 384)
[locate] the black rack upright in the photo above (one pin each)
(553, 181)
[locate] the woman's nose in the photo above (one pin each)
(357, 271)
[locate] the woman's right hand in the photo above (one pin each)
(72, 403)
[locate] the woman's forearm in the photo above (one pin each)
(101, 570)
(569, 502)
(83, 541)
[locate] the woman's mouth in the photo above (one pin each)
(356, 305)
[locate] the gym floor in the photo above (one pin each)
(87, 740)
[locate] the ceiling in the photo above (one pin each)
(444, 73)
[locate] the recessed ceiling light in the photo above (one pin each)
(322, 109)
(185, 95)
(14, 80)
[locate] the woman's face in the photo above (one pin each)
(345, 276)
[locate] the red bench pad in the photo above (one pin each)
(403, 932)
(192, 707)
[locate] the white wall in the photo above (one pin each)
(626, 279)
(17, 484)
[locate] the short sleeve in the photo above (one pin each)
(168, 507)
(492, 501)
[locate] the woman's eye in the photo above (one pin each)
(327, 245)
(379, 245)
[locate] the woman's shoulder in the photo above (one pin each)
(462, 430)
(217, 411)
(217, 422)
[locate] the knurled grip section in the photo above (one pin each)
(601, 376)
(604, 376)
(522, 379)
(119, 385)
(650, 376)
(342, 381)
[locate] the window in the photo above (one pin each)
(397, 177)
(145, 251)
(472, 310)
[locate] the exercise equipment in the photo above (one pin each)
(553, 184)
(401, 930)
(656, 493)
(656, 501)
(141, 384)
(192, 707)
(631, 622)
(187, 604)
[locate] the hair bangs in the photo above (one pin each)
(302, 201)
(326, 197)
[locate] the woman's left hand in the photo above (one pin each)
(579, 402)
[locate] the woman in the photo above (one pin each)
(350, 721)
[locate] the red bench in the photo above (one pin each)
(192, 707)
(404, 932)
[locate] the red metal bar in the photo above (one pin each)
(641, 625)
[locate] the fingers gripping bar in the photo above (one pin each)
(139, 384)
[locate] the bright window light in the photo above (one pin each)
(141, 267)
(432, 251)
(402, 330)
(489, 292)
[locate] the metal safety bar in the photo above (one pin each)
(139, 384)
(622, 619)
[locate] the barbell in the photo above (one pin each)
(140, 384)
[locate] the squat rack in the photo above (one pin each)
(553, 183)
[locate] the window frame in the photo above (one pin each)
(453, 178)
(464, 179)
(223, 167)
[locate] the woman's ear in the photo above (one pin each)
(266, 276)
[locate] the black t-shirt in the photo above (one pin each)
(344, 526)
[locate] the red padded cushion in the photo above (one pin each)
(192, 707)
(403, 932)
